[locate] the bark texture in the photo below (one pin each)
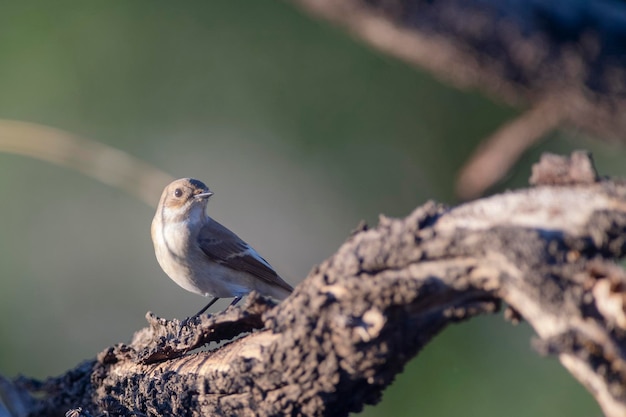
(548, 252)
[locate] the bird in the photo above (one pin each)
(201, 255)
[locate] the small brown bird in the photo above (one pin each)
(201, 255)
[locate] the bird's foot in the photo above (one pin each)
(189, 323)
(183, 324)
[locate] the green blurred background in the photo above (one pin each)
(299, 130)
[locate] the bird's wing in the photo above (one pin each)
(226, 248)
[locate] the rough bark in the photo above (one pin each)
(548, 252)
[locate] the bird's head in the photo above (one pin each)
(184, 198)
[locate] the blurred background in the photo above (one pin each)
(301, 132)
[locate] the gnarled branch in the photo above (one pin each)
(548, 252)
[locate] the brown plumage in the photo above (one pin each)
(203, 256)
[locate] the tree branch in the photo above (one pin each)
(563, 62)
(354, 322)
(518, 52)
(499, 152)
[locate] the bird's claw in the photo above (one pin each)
(184, 323)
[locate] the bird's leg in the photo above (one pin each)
(235, 301)
(185, 322)
(206, 307)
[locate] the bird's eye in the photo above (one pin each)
(178, 193)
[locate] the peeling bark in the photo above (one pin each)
(548, 252)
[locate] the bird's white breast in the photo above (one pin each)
(172, 246)
(180, 257)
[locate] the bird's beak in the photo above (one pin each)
(204, 195)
